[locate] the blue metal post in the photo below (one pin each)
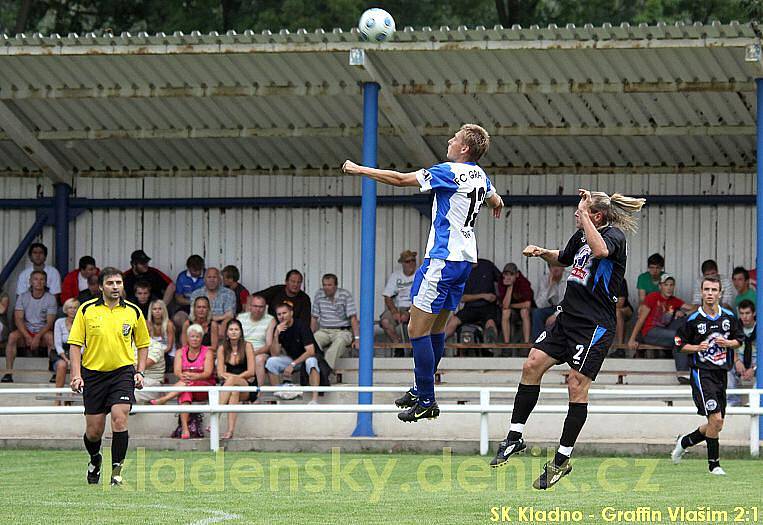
(22, 248)
(759, 228)
(62, 227)
(364, 425)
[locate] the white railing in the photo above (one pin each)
(214, 408)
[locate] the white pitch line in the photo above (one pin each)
(219, 515)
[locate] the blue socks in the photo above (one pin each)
(438, 346)
(427, 352)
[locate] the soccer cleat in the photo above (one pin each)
(718, 471)
(418, 412)
(7, 378)
(552, 474)
(506, 449)
(678, 451)
(407, 400)
(94, 470)
(116, 481)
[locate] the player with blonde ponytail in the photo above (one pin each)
(585, 326)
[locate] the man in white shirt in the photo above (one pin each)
(38, 253)
(397, 296)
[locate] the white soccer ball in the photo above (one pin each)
(376, 25)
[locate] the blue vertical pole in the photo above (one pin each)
(759, 228)
(364, 425)
(62, 227)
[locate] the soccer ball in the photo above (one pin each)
(376, 25)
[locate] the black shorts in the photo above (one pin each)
(102, 390)
(708, 388)
(478, 315)
(580, 343)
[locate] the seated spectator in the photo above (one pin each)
(293, 351)
(258, 326)
(709, 268)
(623, 312)
(34, 317)
(231, 276)
(59, 357)
(187, 282)
(742, 375)
(649, 281)
(38, 253)
(142, 297)
(161, 285)
(480, 307)
(290, 291)
(235, 367)
(335, 319)
(201, 314)
(5, 302)
(516, 298)
(195, 367)
(93, 290)
(741, 280)
(397, 297)
(222, 301)
(160, 350)
(550, 294)
(76, 280)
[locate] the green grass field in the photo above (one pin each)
(198, 487)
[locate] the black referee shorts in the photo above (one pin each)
(580, 343)
(102, 390)
(708, 388)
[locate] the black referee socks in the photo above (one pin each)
(118, 448)
(93, 447)
(695, 438)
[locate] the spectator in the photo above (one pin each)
(397, 297)
(161, 285)
(258, 326)
(160, 350)
(294, 348)
(142, 297)
(516, 298)
(76, 280)
(231, 276)
(741, 280)
(93, 290)
(709, 268)
(235, 367)
(743, 373)
(34, 316)
(649, 281)
(59, 358)
(623, 312)
(187, 282)
(659, 318)
(292, 292)
(4, 304)
(38, 253)
(222, 300)
(480, 307)
(335, 313)
(201, 314)
(195, 367)
(550, 294)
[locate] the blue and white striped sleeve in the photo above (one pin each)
(438, 177)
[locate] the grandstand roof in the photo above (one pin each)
(665, 97)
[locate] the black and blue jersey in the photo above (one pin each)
(701, 326)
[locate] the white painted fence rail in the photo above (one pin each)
(214, 408)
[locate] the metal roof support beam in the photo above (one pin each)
(29, 144)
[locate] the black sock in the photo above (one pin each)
(695, 438)
(93, 447)
(713, 453)
(573, 424)
(524, 403)
(118, 451)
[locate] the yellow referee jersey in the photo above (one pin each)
(107, 334)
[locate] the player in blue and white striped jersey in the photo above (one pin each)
(460, 187)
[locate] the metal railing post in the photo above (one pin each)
(214, 419)
(484, 406)
(755, 426)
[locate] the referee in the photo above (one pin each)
(106, 328)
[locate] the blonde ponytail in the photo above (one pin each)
(618, 209)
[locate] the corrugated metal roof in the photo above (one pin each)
(675, 96)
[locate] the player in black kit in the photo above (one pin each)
(585, 326)
(710, 335)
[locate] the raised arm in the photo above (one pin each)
(550, 256)
(394, 178)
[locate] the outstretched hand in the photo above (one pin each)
(585, 200)
(532, 251)
(350, 168)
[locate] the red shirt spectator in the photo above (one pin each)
(661, 310)
(522, 290)
(76, 281)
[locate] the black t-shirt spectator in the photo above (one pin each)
(294, 339)
(158, 281)
(276, 295)
(483, 279)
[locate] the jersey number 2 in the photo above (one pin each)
(476, 195)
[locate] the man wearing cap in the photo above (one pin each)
(515, 295)
(161, 285)
(397, 296)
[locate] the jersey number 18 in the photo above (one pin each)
(476, 195)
